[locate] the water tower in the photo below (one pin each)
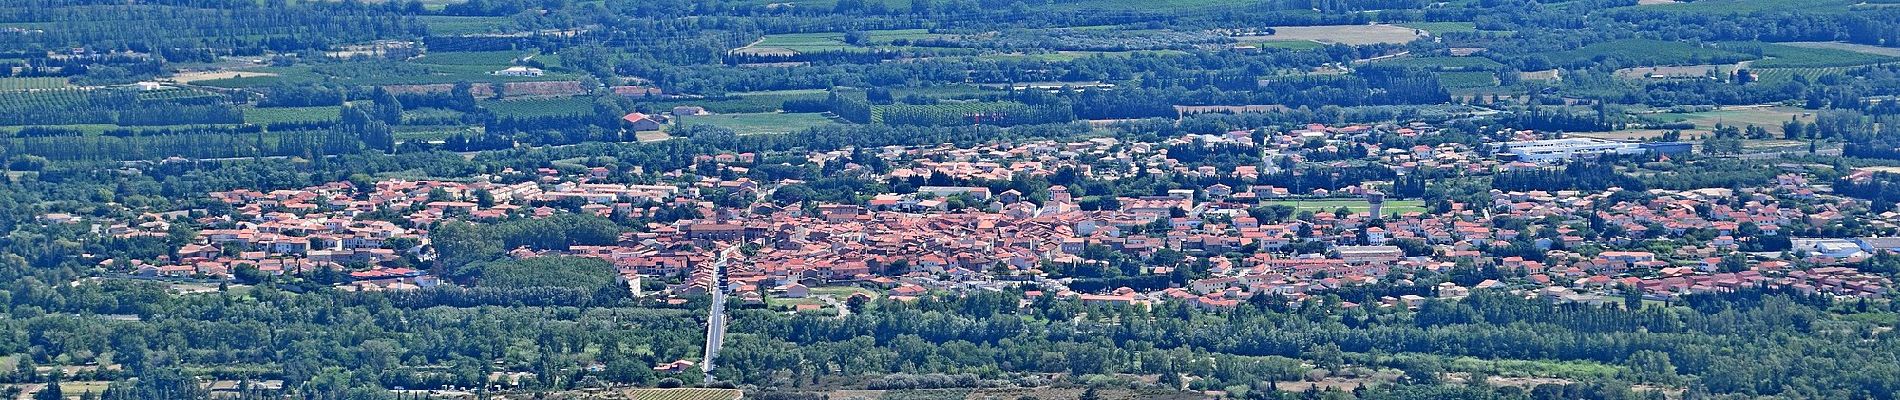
(1376, 200)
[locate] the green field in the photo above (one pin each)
(499, 59)
(1750, 6)
(1289, 44)
(1440, 28)
(269, 115)
(371, 73)
(541, 107)
(830, 41)
(1769, 118)
(18, 84)
(1355, 205)
(1467, 79)
(1444, 63)
(450, 26)
(1646, 52)
(756, 123)
(1784, 56)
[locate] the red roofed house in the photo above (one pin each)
(640, 122)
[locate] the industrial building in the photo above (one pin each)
(1563, 149)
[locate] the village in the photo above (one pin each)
(1241, 241)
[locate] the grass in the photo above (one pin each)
(1354, 205)
(269, 115)
(756, 123)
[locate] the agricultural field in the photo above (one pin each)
(1441, 28)
(1354, 205)
(491, 58)
(794, 43)
(1751, 6)
(1342, 34)
(1444, 63)
(540, 107)
(1072, 55)
(683, 394)
(1780, 56)
(757, 123)
(442, 25)
(1467, 79)
(1678, 71)
(37, 83)
(1769, 118)
(270, 115)
(1295, 45)
(1646, 52)
(372, 73)
(1858, 48)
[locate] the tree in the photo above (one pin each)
(52, 390)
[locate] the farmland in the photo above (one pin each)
(1769, 118)
(490, 58)
(454, 25)
(1645, 52)
(270, 115)
(756, 123)
(1342, 34)
(540, 107)
(1467, 79)
(794, 43)
(1444, 63)
(683, 394)
(1782, 56)
(20, 84)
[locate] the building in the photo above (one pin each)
(1668, 147)
(1370, 254)
(519, 71)
(1542, 151)
(640, 122)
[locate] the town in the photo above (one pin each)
(1242, 241)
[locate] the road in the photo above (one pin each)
(716, 317)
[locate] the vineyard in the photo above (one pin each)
(52, 98)
(684, 394)
(1777, 75)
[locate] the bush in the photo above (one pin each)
(669, 383)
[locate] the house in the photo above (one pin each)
(640, 122)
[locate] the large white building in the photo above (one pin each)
(1564, 149)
